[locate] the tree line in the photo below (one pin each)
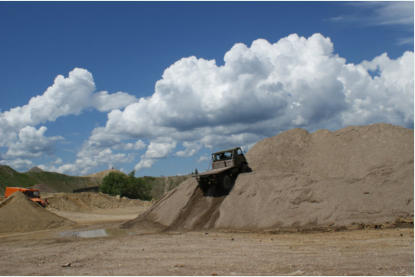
(116, 183)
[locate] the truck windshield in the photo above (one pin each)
(222, 156)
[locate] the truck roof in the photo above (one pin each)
(228, 150)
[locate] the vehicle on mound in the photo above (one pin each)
(226, 165)
(32, 194)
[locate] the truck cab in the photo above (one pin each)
(226, 165)
(228, 158)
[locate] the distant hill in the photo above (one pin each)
(56, 182)
(10, 177)
(101, 175)
(35, 169)
(48, 181)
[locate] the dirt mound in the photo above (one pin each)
(356, 176)
(20, 214)
(89, 201)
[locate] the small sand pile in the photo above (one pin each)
(89, 201)
(354, 177)
(20, 214)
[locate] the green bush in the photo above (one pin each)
(128, 186)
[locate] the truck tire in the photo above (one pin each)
(227, 183)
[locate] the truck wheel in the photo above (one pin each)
(227, 183)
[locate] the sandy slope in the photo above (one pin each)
(353, 177)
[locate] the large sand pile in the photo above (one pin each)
(355, 176)
(19, 214)
(89, 201)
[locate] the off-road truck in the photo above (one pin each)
(226, 165)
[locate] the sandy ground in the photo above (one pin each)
(102, 215)
(127, 252)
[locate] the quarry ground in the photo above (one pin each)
(128, 252)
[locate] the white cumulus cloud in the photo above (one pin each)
(66, 96)
(31, 143)
(190, 148)
(260, 90)
(138, 145)
(104, 102)
(89, 157)
(155, 150)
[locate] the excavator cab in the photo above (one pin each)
(32, 194)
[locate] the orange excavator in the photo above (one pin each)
(32, 194)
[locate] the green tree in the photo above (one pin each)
(114, 183)
(128, 186)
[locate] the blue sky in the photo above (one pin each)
(145, 94)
